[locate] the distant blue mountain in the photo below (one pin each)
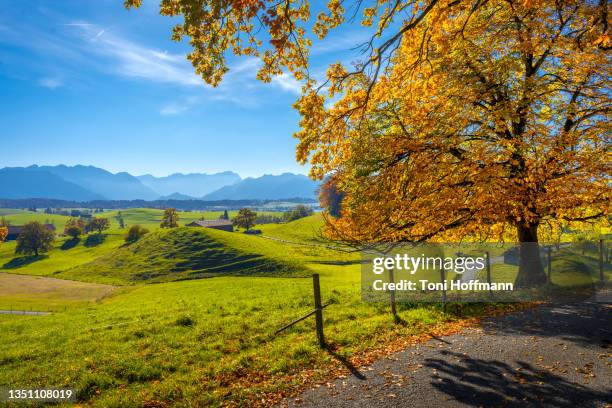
(120, 186)
(268, 187)
(193, 185)
(177, 196)
(21, 182)
(86, 183)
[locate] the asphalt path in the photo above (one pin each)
(551, 356)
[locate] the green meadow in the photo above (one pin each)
(186, 316)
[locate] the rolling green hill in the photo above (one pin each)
(177, 254)
(103, 258)
(305, 230)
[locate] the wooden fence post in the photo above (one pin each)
(443, 280)
(549, 265)
(392, 294)
(489, 274)
(601, 262)
(318, 308)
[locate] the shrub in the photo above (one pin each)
(185, 321)
(299, 211)
(135, 233)
(34, 238)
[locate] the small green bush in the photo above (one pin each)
(135, 233)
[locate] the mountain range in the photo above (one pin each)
(87, 183)
(286, 185)
(189, 185)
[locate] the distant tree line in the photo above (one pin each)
(53, 204)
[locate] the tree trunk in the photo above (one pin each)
(531, 272)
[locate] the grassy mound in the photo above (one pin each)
(178, 254)
(305, 230)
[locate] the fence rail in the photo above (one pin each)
(317, 311)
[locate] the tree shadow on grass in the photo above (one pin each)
(492, 383)
(94, 240)
(23, 261)
(70, 243)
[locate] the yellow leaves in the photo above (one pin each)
(3, 233)
(603, 41)
(454, 138)
(328, 20)
(132, 3)
(368, 16)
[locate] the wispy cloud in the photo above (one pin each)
(288, 83)
(80, 47)
(131, 59)
(178, 107)
(50, 83)
(173, 109)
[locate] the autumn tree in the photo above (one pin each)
(3, 233)
(34, 239)
(486, 124)
(74, 227)
(245, 218)
(3, 229)
(281, 32)
(481, 119)
(98, 224)
(330, 197)
(170, 218)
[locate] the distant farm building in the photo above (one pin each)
(15, 230)
(224, 225)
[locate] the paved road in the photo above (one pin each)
(553, 356)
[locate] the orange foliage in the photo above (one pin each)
(485, 119)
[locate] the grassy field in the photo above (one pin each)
(199, 342)
(66, 254)
(202, 342)
(147, 217)
(23, 292)
(20, 217)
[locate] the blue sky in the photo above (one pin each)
(88, 82)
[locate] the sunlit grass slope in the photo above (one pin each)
(207, 342)
(20, 217)
(305, 230)
(66, 254)
(181, 253)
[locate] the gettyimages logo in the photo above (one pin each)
(476, 272)
(412, 264)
